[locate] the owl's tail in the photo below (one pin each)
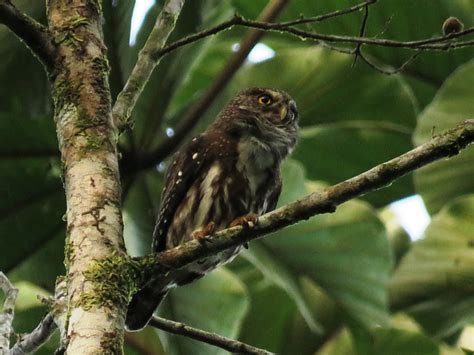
(142, 306)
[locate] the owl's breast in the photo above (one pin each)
(256, 164)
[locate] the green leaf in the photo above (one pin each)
(436, 275)
(216, 303)
(32, 197)
(440, 182)
(343, 150)
(346, 254)
(283, 331)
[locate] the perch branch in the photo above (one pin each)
(233, 346)
(34, 34)
(33, 341)
(145, 65)
(447, 144)
(196, 111)
(7, 314)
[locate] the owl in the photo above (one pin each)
(226, 176)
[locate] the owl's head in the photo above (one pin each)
(268, 114)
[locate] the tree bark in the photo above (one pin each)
(88, 143)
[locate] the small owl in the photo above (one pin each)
(228, 175)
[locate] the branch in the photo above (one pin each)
(6, 316)
(196, 111)
(447, 144)
(34, 34)
(434, 43)
(232, 22)
(146, 63)
(233, 346)
(33, 341)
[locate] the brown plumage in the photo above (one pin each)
(229, 171)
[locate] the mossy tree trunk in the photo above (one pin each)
(88, 143)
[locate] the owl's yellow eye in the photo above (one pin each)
(265, 99)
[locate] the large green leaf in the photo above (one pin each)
(216, 303)
(337, 152)
(436, 275)
(346, 254)
(31, 194)
(444, 180)
(283, 331)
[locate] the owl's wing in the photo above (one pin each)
(187, 164)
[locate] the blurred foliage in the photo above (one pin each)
(347, 283)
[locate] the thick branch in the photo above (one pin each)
(196, 111)
(146, 62)
(33, 341)
(35, 35)
(231, 345)
(447, 144)
(6, 315)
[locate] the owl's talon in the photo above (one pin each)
(247, 221)
(203, 234)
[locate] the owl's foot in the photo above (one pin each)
(203, 234)
(247, 221)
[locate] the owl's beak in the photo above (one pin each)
(291, 114)
(283, 113)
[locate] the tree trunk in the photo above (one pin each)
(88, 143)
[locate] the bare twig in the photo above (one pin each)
(232, 22)
(447, 144)
(6, 316)
(231, 345)
(434, 43)
(196, 111)
(146, 63)
(361, 34)
(34, 34)
(33, 341)
(400, 69)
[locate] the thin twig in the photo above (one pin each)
(196, 111)
(33, 341)
(447, 144)
(232, 22)
(329, 15)
(231, 345)
(145, 65)
(361, 34)
(400, 69)
(7, 314)
(34, 34)
(434, 43)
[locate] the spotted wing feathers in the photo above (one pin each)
(187, 164)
